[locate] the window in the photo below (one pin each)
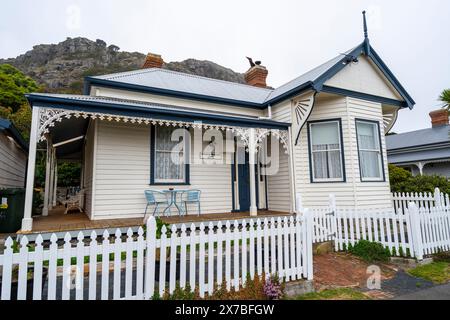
(326, 156)
(169, 156)
(369, 149)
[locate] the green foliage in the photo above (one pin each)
(403, 181)
(69, 174)
(445, 98)
(13, 87)
(370, 251)
(437, 272)
(38, 202)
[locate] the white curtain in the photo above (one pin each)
(326, 150)
(369, 150)
(169, 160)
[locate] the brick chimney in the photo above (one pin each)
(439, 118)
(153, 61)
(256, 76)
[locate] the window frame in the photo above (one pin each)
(310, 152)
(167, 182)
(382, 178)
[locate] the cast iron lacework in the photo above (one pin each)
(48, 117)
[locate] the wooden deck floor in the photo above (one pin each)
(57, 221)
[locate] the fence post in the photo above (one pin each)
(309, 242)
(333, 208)
(416, 235)
(437, 197)
(149, 288)
(298, 203)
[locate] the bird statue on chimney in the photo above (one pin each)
(252, 64)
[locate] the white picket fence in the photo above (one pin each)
(137, 267)
(422, 200)
(420, 229)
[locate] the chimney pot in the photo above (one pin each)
(153, 61)
(439, 118)
(256, 76)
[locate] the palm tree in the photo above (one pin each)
(445, 98)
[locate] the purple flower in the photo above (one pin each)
(272, 289)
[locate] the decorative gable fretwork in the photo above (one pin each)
(49, 116)
(389, 120)
(303, 108)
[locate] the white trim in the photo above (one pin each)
(67, 141)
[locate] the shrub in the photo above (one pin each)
(370, 251)
(402, 180)
(254, 290)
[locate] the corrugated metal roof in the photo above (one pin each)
(152, 107)
(422, 155)
(192, 84)
(418, 138)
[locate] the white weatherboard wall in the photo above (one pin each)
(13, 161)
(353, 192)
(278, 185)
(122, 173)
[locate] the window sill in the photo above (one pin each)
(169, 184)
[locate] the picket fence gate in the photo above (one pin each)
(415, 230)
(428, 200)
(139, 267)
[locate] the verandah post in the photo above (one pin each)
(149, 287)
(416, 235)
(27, 221)
(308, 228)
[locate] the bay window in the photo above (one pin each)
(369, 150)
(326, 154)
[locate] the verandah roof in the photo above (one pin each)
(133, 108)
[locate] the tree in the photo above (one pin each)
(402, 180)
(13, 87)
(445, 98)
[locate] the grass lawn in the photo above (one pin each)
(334, 294)
(437, 272)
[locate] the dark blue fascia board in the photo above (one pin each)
(364, 96)
(315, 85)
(6, 125)
(89, 81)
(392, 79)
(160, 114)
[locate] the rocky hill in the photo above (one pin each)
(61, 67)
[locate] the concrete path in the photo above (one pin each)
(441, 292)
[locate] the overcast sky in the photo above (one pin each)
(290, 37)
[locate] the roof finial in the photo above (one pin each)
(365, 25)
(366, 36)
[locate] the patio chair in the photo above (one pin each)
(189, 197)
(74, 202)
(155, 198)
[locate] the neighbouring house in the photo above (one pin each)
(13, 156)
(323, 132)
(423, 152)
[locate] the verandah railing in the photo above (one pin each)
(140, 266)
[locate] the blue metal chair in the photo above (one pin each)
(190, 196)
(156, 198)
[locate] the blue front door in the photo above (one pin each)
(244, 185)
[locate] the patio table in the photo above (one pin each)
(173, 201)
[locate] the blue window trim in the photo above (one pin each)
(381, 150)
(341, 137)
(152, 164)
